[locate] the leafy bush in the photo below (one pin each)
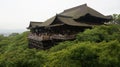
(14, 52)
(61, 46)
(87, 54)
(22, 58)
(109, 55)
(100, 33)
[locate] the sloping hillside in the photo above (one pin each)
(95, 47)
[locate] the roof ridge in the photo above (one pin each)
(75, 7)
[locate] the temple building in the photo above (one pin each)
(64, 26)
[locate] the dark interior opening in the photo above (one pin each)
(90, 18)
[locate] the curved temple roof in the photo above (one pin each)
(34, 24)
(82, 10)
(68, 17)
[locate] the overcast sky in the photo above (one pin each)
(16, 14)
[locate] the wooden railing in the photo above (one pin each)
(63, 37)
(39, 38)
(50, 37)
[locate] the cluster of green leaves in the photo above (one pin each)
(95, 47)
(14, 52)
(87, 54)
(100, 33)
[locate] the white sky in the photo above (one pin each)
(16, 14)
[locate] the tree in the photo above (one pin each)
(116, 19)
(1, 37)
(14, 34)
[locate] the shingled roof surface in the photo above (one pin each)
(72, 22)
(82, 10)
(34, 24)
(68, 16)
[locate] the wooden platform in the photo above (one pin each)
(51, 37)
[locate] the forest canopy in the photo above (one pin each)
(96, 47)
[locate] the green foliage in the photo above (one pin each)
(116, 19)
(100, 33)
(109, 55)
(14, 52)
(87, 54)
(97, 47)
(14, 34)
(61, 46)
(2, 37)
(22, 58)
